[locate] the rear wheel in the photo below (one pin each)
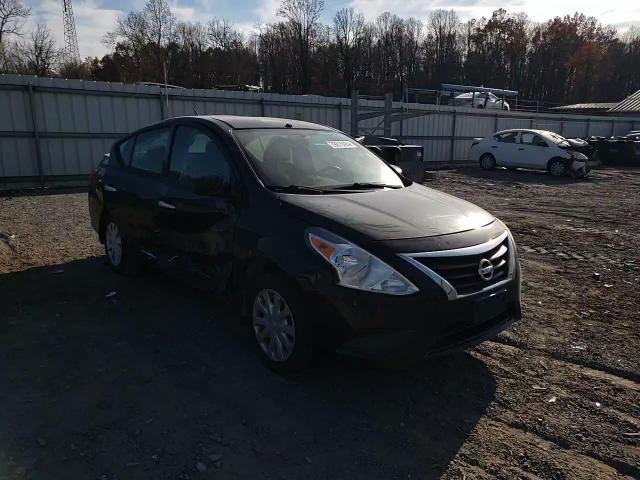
(487, 161)
(557, 167)
(120, 255)
(280, 324)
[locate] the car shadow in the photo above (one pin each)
(103, 376)
(520, 175)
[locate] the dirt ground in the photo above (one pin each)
(109, 377)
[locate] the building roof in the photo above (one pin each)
(629, 104)
(587, 106)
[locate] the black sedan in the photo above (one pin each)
(318, 241)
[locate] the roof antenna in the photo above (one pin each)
(195, 110)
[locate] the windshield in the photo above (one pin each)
(313, 158)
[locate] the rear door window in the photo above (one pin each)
(198, 157)
(151, 149)
(529, 138)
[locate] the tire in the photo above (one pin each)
(487, 161)
(280, 323)
(121, 256)
(557, 167)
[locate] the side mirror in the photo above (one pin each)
(396, 168)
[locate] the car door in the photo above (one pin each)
(113, 186)
(533, 150)
(505, 149)
(148, 159)
(131, 187)
(198, 203)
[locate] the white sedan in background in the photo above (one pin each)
(535, 149)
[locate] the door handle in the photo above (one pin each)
(521, 148)
(109, 188)
(494, 146)
(166, 205)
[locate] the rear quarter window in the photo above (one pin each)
(124, 150)
(151, 150)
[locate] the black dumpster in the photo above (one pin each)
(410, 158)
(617, 150)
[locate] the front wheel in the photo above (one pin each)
(487, 162)
(280, 324)
(557, 167)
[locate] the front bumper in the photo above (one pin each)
(445, 314)
(386, 327)
(582, 169)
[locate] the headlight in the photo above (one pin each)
(357, 268)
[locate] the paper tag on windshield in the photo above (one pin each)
(340, 144)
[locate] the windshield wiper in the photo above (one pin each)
(296, 189)
(363, 186)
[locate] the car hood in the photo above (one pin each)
(577, 142)
(411, 212)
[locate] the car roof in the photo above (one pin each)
(539, 132)
(471, 94)
(238, 122)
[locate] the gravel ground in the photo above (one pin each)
(159, 381)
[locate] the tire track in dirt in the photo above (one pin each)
(592, 372)
(520, 452)
(621, 468)
(574, 407)
(576, 361)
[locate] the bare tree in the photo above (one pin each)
(12, 13)
(349, 29)
(276, 57)
(223, 35)
(131, 35)
(161, 24)
(303, 16)
(191, 35)
(443, 31)
(38, 53)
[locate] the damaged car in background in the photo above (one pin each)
(485, 100)
(534, 149)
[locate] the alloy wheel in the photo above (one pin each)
(487, 162)
(273, 325)
(557, 169)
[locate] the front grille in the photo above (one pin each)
(462, 271)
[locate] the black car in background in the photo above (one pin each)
(318, 241)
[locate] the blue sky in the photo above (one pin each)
(96, 17)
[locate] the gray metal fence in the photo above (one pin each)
(54, 131)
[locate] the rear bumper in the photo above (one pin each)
(95, 211)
